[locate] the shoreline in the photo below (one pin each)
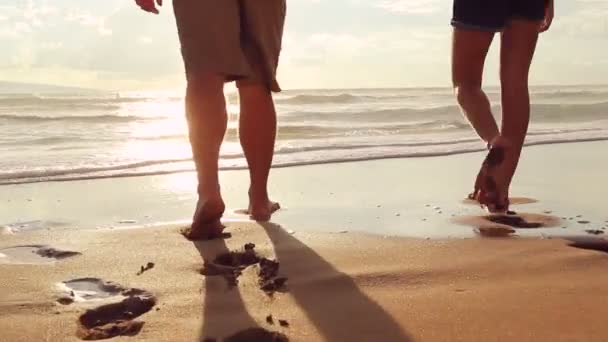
(391, 194)
(307, 163)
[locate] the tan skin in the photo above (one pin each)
(207, 122)
(469, 51)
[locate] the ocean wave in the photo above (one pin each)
(48, 173)
(353, 146)
(319, 130)
(72, 100)
(389, 115)
(105, 118)
(570, 112)
(300, 130)
(324, 99)
(315, 126)
(57, 142)
(345, 96)
(74, 104)
(539, 112)
(568, 94)
(284, 150)
(285, 157)
(353, 98)
(47, 141)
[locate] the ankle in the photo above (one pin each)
(499, 140)
(208, 191)
(258, 194)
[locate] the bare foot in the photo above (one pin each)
(491, 185)
(206, 224)
(262, 210)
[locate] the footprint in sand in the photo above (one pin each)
(513, 221)
(253, 335)
(113, 319)
(33, 254)
(231, 265)
(86, 289)
(505, 225)
(257, 335)
(495, 231)
(512, 201)
(27, 226)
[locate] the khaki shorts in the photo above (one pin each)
(240, 39)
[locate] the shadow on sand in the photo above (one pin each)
(588, 243)
(331, 299)
(223, 307)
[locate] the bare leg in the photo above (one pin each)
(518, 43)
(207, 120)
(257, 132)
(469, 50)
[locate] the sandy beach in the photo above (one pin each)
(364, 134)
(371, 252)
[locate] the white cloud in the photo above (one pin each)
(590, 20)
(411, 6)
(9, 12)
(51, 45)
(89, 20)
(104, 31)
(36, 13)
(15, 30)
(328, 43)
(24, 19)
(145, 40)
(338, 42)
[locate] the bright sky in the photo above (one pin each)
(327, 44)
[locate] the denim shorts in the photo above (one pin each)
(493, 15)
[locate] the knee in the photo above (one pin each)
(254, 96)
(512, 84)
(204, 95)
(204, 83)
(465, 91)
(252, 87)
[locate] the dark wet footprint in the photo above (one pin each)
(513, 221)
(512, 200)
(257, 335)
(202, 235)
(495, 231)
(116, 319)
(231, 265)
(34, 254)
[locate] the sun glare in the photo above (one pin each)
(160, 134)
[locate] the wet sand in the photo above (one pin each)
(339, 287)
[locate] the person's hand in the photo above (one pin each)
(549, 14)
(149, 5)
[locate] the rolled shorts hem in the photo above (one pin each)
(460, 25)
(229, 77)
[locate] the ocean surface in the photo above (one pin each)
(74, 135)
